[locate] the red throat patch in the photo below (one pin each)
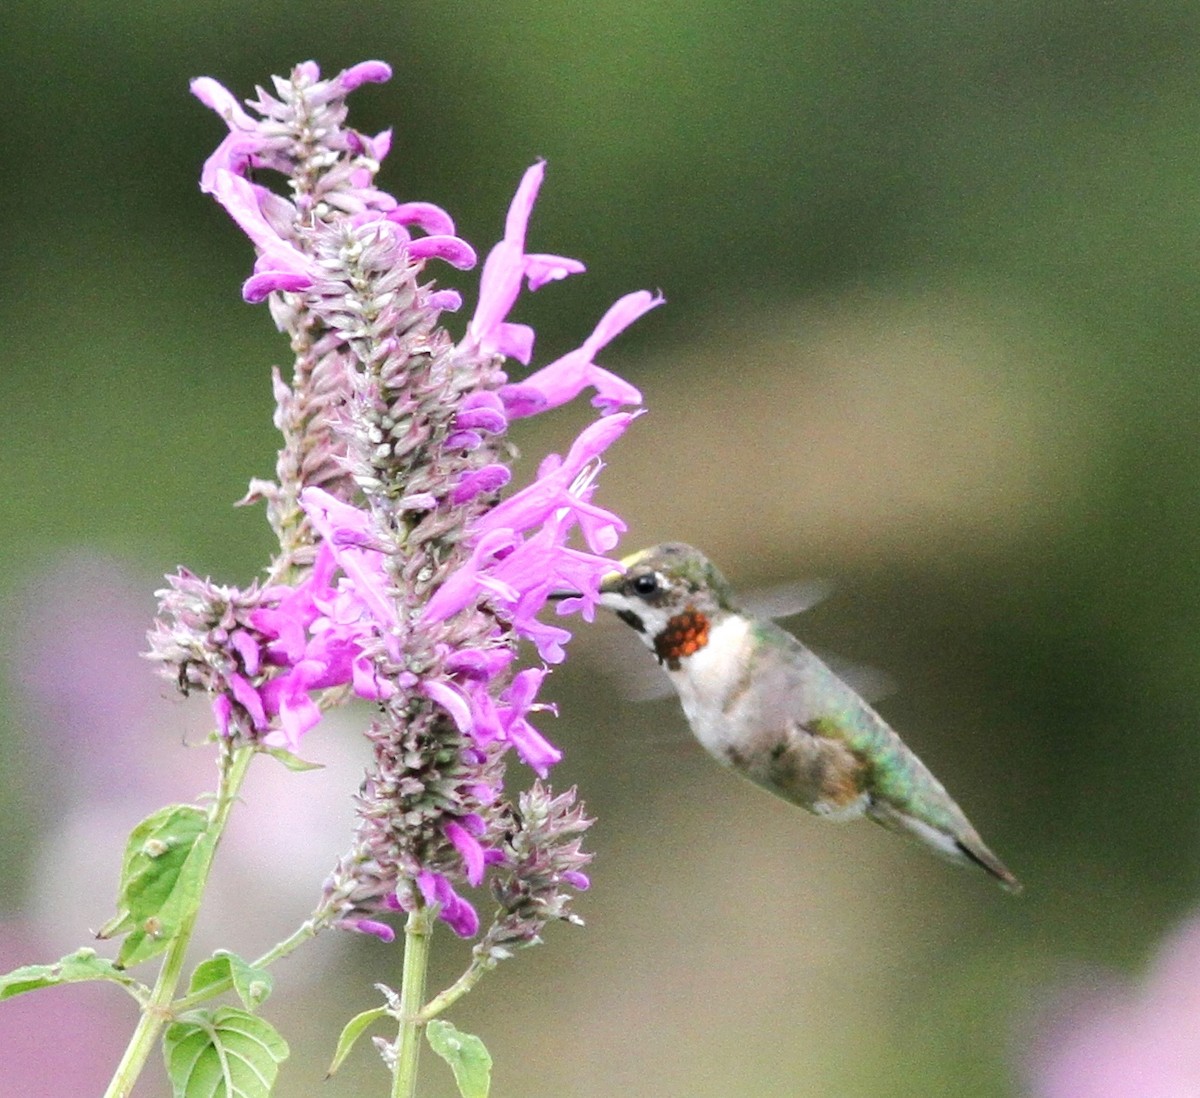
(684, 635)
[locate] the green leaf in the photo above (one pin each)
(468, 1059)
(166, 859)
(353, 1030)
(292, 762)
(252, 985)
(226, 1053)
(83, 964)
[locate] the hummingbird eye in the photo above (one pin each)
(645, 584)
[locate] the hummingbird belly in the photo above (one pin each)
(717, 689)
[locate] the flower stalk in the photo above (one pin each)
(417, 933)
(160, 1009)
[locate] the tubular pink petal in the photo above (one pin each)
(365, 72)
(471, 850)
(622, 313)
(368, 926)
(367, 681)
(512, 341)
(248, 698)
(464, 440)
(333, 520)
(246, 647)
(482, 663)
(523, 400)
(524, 688)
(460, 916)
(236, 154)
(451, 699)
(499, 285)
(217, 97)
(612, 392)
(297, 716)
(433, 219)
(240, 199)
(538, 753)
(450, 249)
(517, 221)
(222, 709)
(540, 269)
(482, 417)
(445, 301)
(488, 726)
(257, 288)
(490, 478)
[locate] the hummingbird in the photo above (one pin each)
(761, 703)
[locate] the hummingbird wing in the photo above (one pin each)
(835, 755)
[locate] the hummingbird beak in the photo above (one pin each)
(609, 584)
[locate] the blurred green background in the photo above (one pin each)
(933, 280)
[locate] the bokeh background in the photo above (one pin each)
(933, 334)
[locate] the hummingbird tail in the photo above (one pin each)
(966, 847)
(979, 854)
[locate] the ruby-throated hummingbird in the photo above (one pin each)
(762, 703)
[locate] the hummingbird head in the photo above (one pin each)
(671, 595)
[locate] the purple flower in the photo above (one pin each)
(503, 271)
(1126, 1041)
(565, 378)
(403, 575)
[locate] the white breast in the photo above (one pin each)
(707, 679)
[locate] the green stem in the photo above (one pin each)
(281, 949)
(417, 932)
(157, 1011)
(480, 966)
